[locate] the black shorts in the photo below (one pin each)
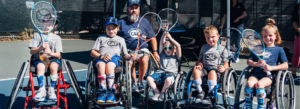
(205, 71)
(260, 77)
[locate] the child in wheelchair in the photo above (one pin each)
(210, 57)
(107, 51)
(170, 56)
(273, 54)
(52, 49)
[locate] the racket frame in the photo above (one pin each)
(42, 32)
(169, 29)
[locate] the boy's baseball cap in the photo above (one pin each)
(133, 2)
(111, 20)
(49, 17)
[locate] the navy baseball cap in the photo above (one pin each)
(133, 2)
(111, 20)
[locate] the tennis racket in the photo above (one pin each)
(149, 33)
(43, 17)
(168, 17)
(234, 56)
(255, 44)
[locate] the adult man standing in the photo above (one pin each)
(128, 30)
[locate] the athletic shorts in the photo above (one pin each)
(161, 77)
(115, 59)
(35, 63)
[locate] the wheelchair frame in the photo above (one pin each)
(274, 92)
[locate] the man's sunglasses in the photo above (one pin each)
(168, 48)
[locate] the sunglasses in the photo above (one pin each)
(168, 48)
(112, 19)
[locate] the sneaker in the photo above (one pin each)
(141, 87)
(40, 95)
(155, 97)
(200, 97)
(51, 95)
(295, 77)
(207, 100)
(161, 97)
(134, 88)
(102, 96)
(111, 96)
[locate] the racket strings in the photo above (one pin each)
(42, 16)
(169, 17)
(254, 42)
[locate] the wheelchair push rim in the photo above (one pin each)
(17, 85)
(288, 97)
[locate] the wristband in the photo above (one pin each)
(100, 56)
(155, 51)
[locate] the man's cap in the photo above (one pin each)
(133, 2)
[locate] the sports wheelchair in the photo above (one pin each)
(121, 86)
(61, 84)
(174, 89)
(281, 92)
(226, 85)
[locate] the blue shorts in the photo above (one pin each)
(35, 63)
(161, 77)
(115, 59)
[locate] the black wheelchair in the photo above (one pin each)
(92, 85)
(281, 92)
(174, 89)
(226, 87)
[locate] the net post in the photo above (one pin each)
(228, 26)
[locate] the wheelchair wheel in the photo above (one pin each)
(74, 83)
(187, 96)
(17, 86)
(285, 91)
(239, 94)
(148, 100)
(88, 82)
(229, 87)
(179, 86)
(168, 104)
(128, 84)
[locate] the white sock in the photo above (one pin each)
(110, 80)
(102, 82)
(211, 85)
(198, 83)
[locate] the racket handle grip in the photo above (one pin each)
(268, 73)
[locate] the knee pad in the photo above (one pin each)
(248, 92)
(53, 77)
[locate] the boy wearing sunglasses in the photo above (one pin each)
(208, 64)
(170, 56)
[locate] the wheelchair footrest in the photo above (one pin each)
(201, 106)
(37, 87)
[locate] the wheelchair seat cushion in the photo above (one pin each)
(33, 69)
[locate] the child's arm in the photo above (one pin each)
(281, 66)
(161, 42)
(176, 44)
(253, 64)
(36, 50)
(199, 65)
(56, 54)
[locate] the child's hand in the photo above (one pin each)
(45, 45)
(47, 51)
(261, 62)
(267, 67)
(221, 68)
(106, 58)
(133, 56)
(198, 67)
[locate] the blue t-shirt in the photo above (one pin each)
(273, 55)
(128, 31)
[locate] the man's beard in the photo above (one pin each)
(132, 18)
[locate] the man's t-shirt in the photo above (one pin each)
(110, 45)
(53, 40)
(236, 12)
(128, 31)
(295, 17)
(211, 56)
(168, 63)
(273, 56)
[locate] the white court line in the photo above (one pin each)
(28, 76)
